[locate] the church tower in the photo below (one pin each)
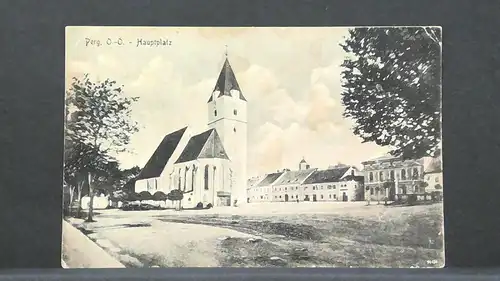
(227, 113)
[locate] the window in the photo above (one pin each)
(428, 178)
(334, 196)
(234, 129)
(291, 196)
(403, 174)
(436, 179)
(392, 175)
(280, 196)
(415, 173)
(371, 191)
(179, 184)
(235, 112)
(261, 197)
(330, 196)
(352, 172)
(206, 177)
(371, 177)
(334, 187)
(381, 176)
(321, 196)
(215, 112)
(285, 188)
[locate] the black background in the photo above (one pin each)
(32, 96)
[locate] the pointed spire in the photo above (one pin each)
(226, 81)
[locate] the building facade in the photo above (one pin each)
(289, 186)
(433, 176)
(262, 191)
(334, 184)
(390, 176)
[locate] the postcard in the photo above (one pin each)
(253, 147)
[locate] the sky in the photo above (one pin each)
(290, 77)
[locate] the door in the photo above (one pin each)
(314, 198)
(286, 197)
(392, 193)
(344, 197)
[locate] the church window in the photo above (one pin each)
(179, 184)
(235, 112)
(206, 177)
(215, 112)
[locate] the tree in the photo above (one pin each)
(176, 195)
(99, 124)
(392, 88)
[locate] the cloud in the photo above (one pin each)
(290, 77)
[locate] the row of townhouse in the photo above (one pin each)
(343, 183)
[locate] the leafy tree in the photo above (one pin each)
(391, 88)
(98, 125)
(176, 195)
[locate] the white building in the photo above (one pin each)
(433, 176)
(288, 186)
(210, 166)
(262, 191)
(335, 184)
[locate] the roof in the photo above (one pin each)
(253, 181)
(155, 165)
(382, 158)
(226, 82)
(329, 175)
(270, 178)
(303, 161)
(204, 145)
(294, 177)
(434, 166)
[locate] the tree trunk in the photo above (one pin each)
(71, 195)
(79, 207)
(91, 202)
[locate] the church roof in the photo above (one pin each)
(227, 82)
(155, 165)
(269, 179)
(204, 145)
(330, 175)
(302, 161)
(294, 177)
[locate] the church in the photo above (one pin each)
(210, 167)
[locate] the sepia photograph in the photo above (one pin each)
(253, 147)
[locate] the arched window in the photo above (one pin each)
(235, 112)
(415, 173)
(179, 183)
(213, 177)
(215, 112)
(371, 177)
(381, 176)
(193, 176)
(403, 174)
(392, 175)
(352, 172)
(206, 177)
